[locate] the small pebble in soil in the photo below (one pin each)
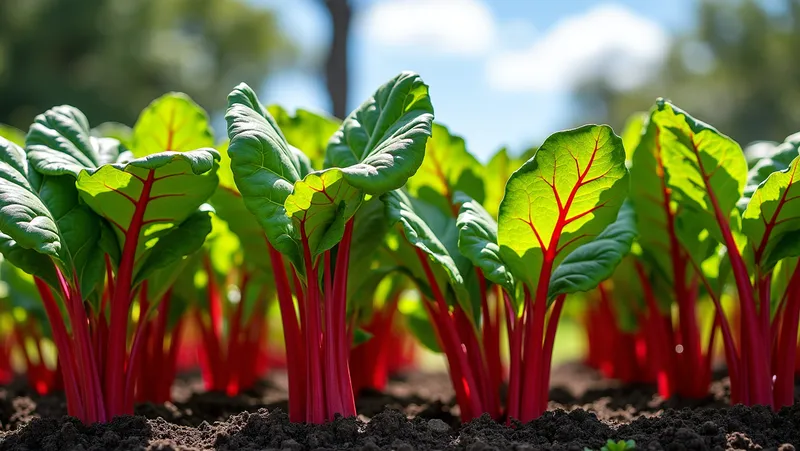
(438, 426)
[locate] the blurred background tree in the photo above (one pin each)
(738, 69)
(336, 64)
(111, 57)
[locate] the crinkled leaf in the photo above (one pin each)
(166, 188)
(478, 242)
(43, 215)
(59, 142)
(23, 215)
(447, 168)
(568, 193)
(382, 143)
(171, 123)
(591, 263)
(307, 131)
(400, 208)
(265, 168)
(704, 166)
(230, 207)
(320, 206)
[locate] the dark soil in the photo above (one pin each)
(412, 413)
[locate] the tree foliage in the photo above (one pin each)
(736, 69)
(111, 57)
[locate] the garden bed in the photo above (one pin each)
(415, 412)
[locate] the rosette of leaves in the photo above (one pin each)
(308, 215)
(100, 208)
(561, 229)
(750, 210)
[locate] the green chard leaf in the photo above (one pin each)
(153, 195)
(772, 213)
(478, 241)
(706, 168)
(417, 228)
(320, 206)
(497, 171)
(59, 143)
(591, 263)
(230, 208)
(419, 323)
(120, 132)
(181, 241)
(632, 133)
(307, 131)
(563, 197)
(265, 168)
(171, 123)
(382, 143)
(658, 217)
(42, 223)
(772, 158)
(370, 228)
(12, 134)
(447, 168)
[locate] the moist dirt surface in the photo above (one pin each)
(414, 412)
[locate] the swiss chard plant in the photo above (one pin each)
(561, 229)
(95, 222)
(308, 218)
(576, 182)
(753, 215)
(455, 293)
(666, 263)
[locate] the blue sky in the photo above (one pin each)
(500, 71)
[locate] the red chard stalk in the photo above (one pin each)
(308, 217)
(106, 221)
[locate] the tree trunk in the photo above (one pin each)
(336, 64)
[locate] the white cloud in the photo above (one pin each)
(609, 41)
(451, 27)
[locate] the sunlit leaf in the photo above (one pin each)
(171, 123)
(564, 196)
(382, 143)
(320, 206)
